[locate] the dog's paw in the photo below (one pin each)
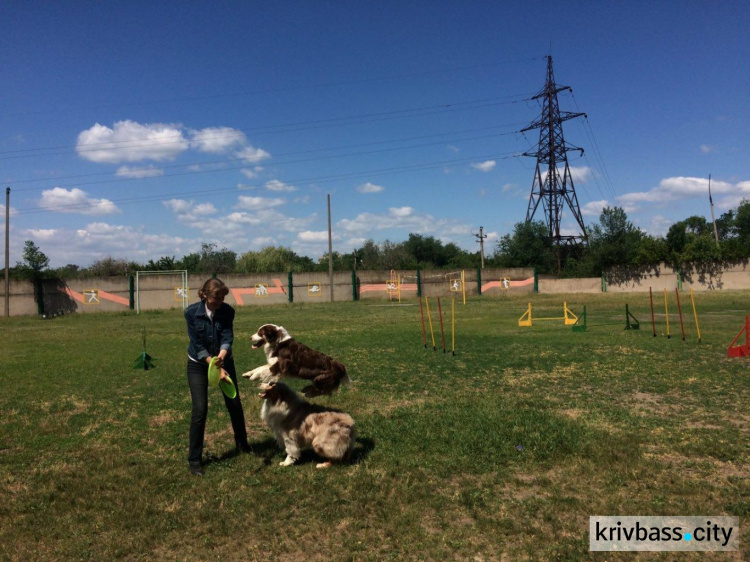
(326, 464)
(248, 375)
(288, 461)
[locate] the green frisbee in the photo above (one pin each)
(228, 388)
(214, 373)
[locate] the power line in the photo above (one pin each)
(264, 91)
(271, 129)
(244, 165)
(319, 179)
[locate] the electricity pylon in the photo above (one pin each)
(553, 183)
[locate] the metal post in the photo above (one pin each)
(330, 249)
(7, 252)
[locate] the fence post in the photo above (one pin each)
(39, 293)
(679, 277)
(604, 283)
(419, 283)
(479, 281)
(354, 285)
(132, 292)
(536, 281)
(291, 287)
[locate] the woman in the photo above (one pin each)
(209, 325)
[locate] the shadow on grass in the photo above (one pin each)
(268, 449)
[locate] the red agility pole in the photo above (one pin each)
(424, 333)
(442, 333)
(676, 292)
(653, 322)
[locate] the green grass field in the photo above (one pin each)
(499, 453)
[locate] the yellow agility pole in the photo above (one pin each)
(463, 284)
(399, 289)
(695, 315)
(429, 319)
(453, 326)
(666, 313)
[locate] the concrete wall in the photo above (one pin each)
(586, 285)
(112, 294)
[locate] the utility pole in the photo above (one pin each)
(553, 182)
(713, 215)
(7, 251)
(481, 244)
(330, 249)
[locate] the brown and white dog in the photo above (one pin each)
(299, 425)
(285, 357)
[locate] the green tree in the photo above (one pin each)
(614, 241)
(164, 263)
(216, 261)
(529, 246)
(34, 263)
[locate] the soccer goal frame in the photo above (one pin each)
(181, 272)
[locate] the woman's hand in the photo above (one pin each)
(225, 376)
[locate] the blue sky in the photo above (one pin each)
(143, 129)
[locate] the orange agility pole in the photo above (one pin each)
(666, 313)
(440, 313)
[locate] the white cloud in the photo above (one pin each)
(313, 236)
(252, 174)
(675, 189)
(257, 203)
(594, 208)
(263, 241)
(178, 205)
(580, 174)
(217, 140)
(252, 155)
(486, 166)
(400, 211)
(137, 173)
(43, 234)
(75, 201)
(707, 149)
(370, 188)
(402, 218)
(129, 141)
(276, 185)
(12, 212)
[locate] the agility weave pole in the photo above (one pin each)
(424, 333)
(453, 327)
(442, 333)
(695, 315)
(429, 319)
(679, 308)
(442, 328)
(653, 322)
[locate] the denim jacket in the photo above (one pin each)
(207, 338)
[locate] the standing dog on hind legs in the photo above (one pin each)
(286, 357)
(299, 425)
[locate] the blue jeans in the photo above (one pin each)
(197, 375)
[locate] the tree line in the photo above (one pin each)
(613, 241)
